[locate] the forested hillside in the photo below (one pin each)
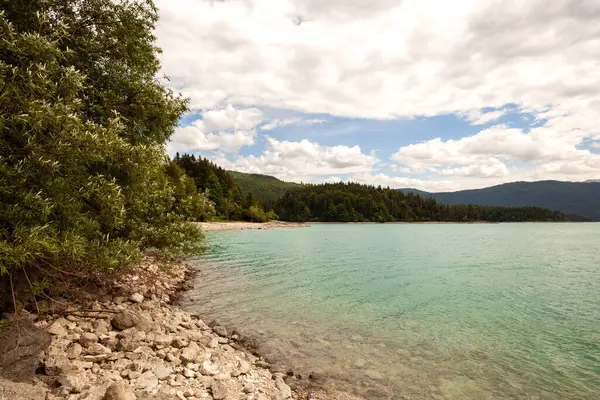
(352, 202)
(230, 202)
(579, 198)
(266, 189)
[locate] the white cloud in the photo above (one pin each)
(387, 59)
(477, 117)
(302, 161)
(276, 123)
(225, 129)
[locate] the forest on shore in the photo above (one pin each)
(353, 202)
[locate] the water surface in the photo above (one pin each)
(419, 311)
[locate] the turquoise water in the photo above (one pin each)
(429, 311)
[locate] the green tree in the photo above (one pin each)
(84, 122)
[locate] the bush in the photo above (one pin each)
(84, 124)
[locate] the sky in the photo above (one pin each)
(431, 94)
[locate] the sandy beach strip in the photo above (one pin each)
(238, 225)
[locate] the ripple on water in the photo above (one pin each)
(502, 311)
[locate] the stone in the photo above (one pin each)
(74, 382)
(219, 390)
(74, 351)
(57, 328)
(360, 363)
(98, 358)
(121, 364)
(190, 353)
(189, 392)
(248, 387)
(284, 389)
(220, 330)
(87, 339)
(125, 319)
(209, 368)
(162, 341)
(22, 391)
(100, 327)
(136, 297)
(243, 366)
(96, 349)
(180, 342)
(146, 381)
(119, 391)
(372, 374)
(56, 364)
(161, 372)
(145, 324)
(127, 344)
(188, 373)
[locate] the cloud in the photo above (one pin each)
(276, 123)
(226, 129)
(477, 117)
(388, 59)
(302, 161)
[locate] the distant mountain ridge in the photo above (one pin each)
(578, 198)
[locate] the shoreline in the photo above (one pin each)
(130, 339)
(242, 225)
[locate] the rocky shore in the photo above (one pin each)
(128, 341)
(237, 225)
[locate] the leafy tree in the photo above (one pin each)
(84, 123)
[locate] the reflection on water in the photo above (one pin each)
(417, 311)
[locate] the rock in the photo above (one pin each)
(74, 382)
(360, 363)
(145, 324)
(220, 330)
(284, 389)
(218, 389)
(101, 327)
(188, 373)
(373, 375)
(122, 363)
(190, 353)
(87, 339)
(127, 344)
(243, 366)
(161, 341)
(74, 351)
(137, 297)
(56, 364)
(96, 349)
(248, 387)
(162, 372)
(22, 391)
(57, 328)
(189, 392)
(209, 368)
(119, 391)
(125, 319)
(180, 342)
(147, 381)
(98, 358)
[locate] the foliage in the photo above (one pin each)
(352, 202)
(84, 123)
(230, 202)
(578, 198)
(264, 188)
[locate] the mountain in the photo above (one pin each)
(579, 198)
(266, 189)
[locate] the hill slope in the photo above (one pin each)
(266, 189)
(579, 198)
(353, 202)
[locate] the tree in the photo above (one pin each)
(84, 122)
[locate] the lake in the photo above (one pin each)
(417, 311)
